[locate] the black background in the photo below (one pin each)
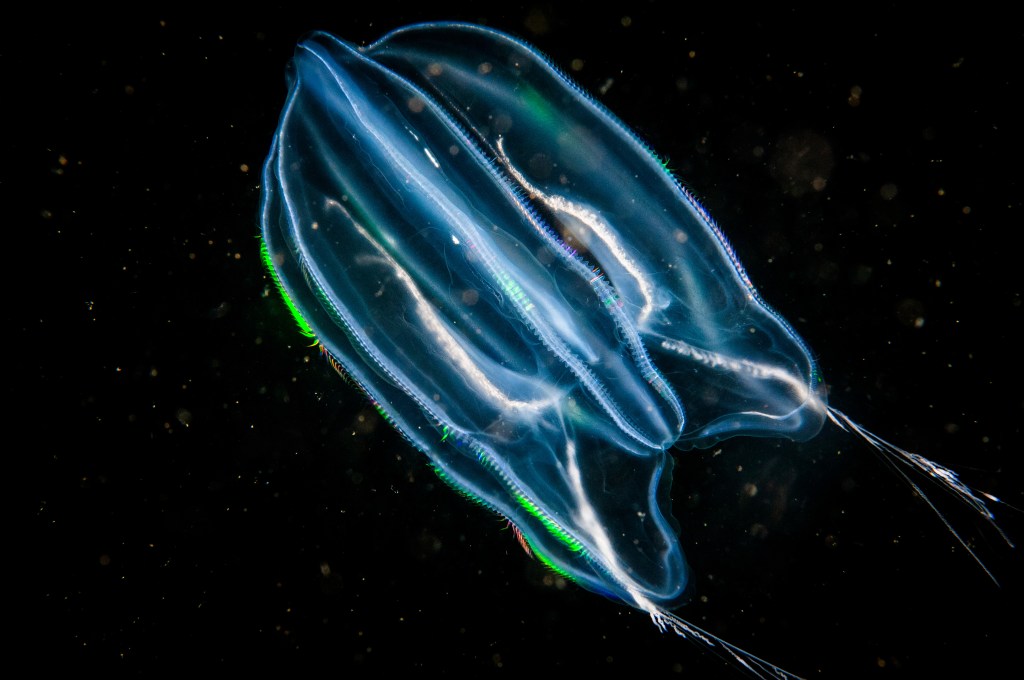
(202, 489)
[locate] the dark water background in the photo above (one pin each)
(204, 491)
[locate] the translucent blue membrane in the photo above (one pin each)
(523, 290)
(526, 294)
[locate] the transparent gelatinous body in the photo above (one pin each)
(524, 291)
